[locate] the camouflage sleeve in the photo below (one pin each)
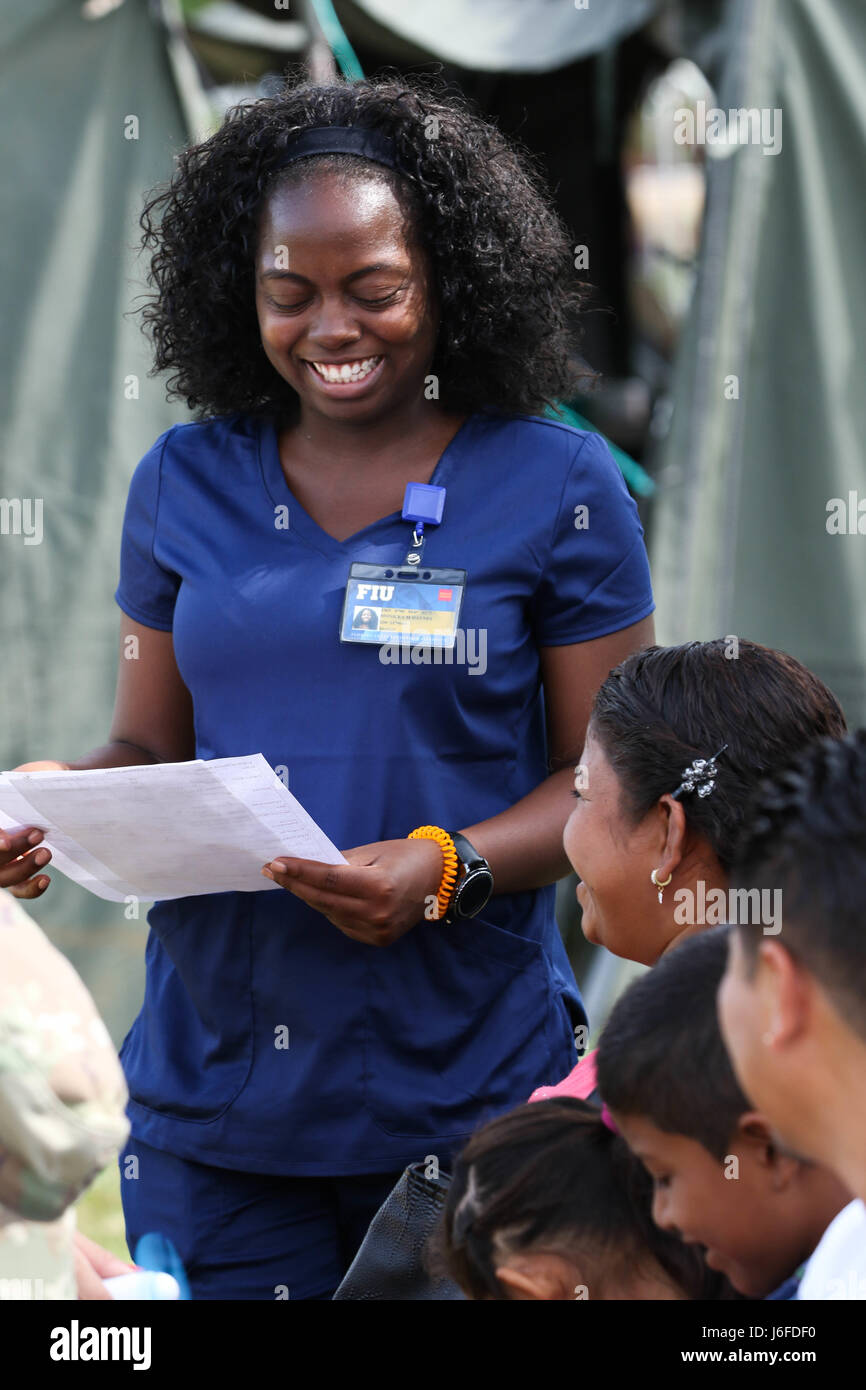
(62, 1093)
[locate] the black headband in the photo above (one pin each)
(343, 139)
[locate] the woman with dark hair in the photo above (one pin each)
(549, 1203)
(357, 287)
(678, 742)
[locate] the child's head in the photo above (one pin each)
(547, 1203)
(721, 1180)
(654, 715)
(793, 1003)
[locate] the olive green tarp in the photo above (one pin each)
(76, 406)
(770, 391)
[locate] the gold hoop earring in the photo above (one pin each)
(662, 885)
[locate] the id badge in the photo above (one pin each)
(391, 604)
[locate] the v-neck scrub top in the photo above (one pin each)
(395, 1052)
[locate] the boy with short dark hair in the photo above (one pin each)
(793, 1003)
(722, 1180)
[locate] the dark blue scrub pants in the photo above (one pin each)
(250, 1235)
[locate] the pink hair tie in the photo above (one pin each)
(607, 1119)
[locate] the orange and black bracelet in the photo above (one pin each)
(449, 854)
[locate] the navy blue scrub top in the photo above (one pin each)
(396, 1052)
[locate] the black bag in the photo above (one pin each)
(389, 1264)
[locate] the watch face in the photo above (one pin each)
(473, 892)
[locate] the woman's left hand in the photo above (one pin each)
(377, 897)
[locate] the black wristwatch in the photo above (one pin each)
(473, 889)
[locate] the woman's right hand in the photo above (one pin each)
(20, 855)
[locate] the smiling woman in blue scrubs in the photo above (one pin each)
(357, 287)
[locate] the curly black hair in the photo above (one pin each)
(502, 266)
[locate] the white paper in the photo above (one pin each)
(165, 830)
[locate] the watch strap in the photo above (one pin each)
(467, 853)
(473, 863)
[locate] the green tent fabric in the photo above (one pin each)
(73, 429)
(740, 542)
(738, 537)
